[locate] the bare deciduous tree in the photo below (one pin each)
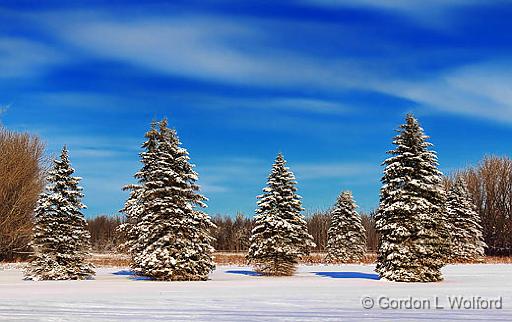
(318, 225)
(22, 180)
(372, 237)
(104, 235)
(232, 234)
(490, 186)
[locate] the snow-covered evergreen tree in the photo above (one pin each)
(411, 218)
(467, 242)
(346, 237)
(61, 241)
(134, 206)
(280, 236)
(172, 238)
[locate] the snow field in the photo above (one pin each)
(314, 293)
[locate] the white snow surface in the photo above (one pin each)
(233, 293)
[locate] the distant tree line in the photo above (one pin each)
(231, 233)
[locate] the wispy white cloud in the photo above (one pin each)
(101, 101)
(232, 51)
(284, 103)
(226, 175)
(191, 46)
(232, 168)
(398, 5)
(204, 47)
(481, 90)
(297, 103)
(23, 58)
(77, 99)
(207, 188)
(94, 153)
(433, 13)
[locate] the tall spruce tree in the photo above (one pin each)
(346, 237)
(280, 236)
(467, 242)
(172, 237)
(411, 217)
(134, 206)
(61, 241)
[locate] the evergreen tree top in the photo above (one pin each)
(412, 158)
(64, 154)
(167, 172)
(281, 174)
(460, 186)
(60, 180)
(62, 165)
(411, 137)
(151, 137)
(280, 191)
(345, 198)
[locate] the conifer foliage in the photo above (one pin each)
(61, 241)
(466, 232)
(280, 236)
(411, 217)
(134, 206)
(169, 238)
(346, 235)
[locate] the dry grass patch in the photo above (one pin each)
(110, 260)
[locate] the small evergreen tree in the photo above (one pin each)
(61, 241)
(466, 232)
(346, 234)
(171, 238)
(280, 236)
(411, 217)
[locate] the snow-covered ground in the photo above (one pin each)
(234, 293)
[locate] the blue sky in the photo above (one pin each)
(326, 82)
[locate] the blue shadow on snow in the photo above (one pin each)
(367, 276)
(124, 273)
(241, 272)
(131, 275)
